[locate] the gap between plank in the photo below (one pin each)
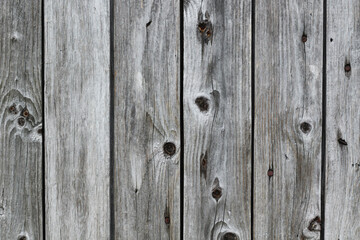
(323, 142)
(111, 120)
(181, 119)
(252, 112)
(43, 115)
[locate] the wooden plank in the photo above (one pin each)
(217, 119)
(20, 120)
(342, 190)
(288, 119)
(147, 115)
(77, 119)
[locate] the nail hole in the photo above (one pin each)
(21, 121)
(347, 67)
(331, 39)
(342, 141)
(305, 127)
(136, 190)
(202, 103)
(169, 148)
(216, 193)
(230, 236)
(167, 220)
(304, 38)
(270, 172)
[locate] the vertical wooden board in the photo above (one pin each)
(20, 120)
(147, 115)
(288, 119)
(342, 190)
(77, 61)
(217, 119)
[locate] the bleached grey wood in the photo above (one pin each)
(288, 94)
(147, 115)
(77, 78)
(20, 142)
(342, 212)
(217, 73)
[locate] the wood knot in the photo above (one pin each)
(315, 224)
(22, 237)
(217, 193)
(202, 103)
(21, 122)
(169, 148)
(305, 127)
(2, 211)
(230, 236)
(205, 28)
(342, 141)
(39, 131)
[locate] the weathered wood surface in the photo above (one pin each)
(217, 119)
(288, 119)
(77, 68)
(147, 115)
(342, 191)
(20, 120)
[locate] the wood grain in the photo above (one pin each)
(342, 190)
(77, 60)
(20, 120)
(147, 115)
(288, 119)
(217, 119)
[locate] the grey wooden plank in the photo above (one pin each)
(77, 61)
(20, 120)
(147, 115)
(288, 119)
(217, 119)
(342, 191)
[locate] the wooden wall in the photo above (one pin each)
(181, 119)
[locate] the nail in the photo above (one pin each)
(342, 141)
(347, 67)
(270, 172)
(304, 38)
(167, 220)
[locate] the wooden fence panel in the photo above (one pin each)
(342, 212)
(20, 120)
(77, 132)
(288, 119)
(217, 119)
(147, 119)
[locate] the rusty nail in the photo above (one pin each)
(342, 141)
(304, 38)
(12, 109)
(169, 148)
(25, 113)
(167, 220)
(21, 121)
(270, 172)
(208, 33)
(347, 67)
